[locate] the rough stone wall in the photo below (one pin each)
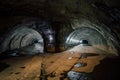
(110, 39)
(63, 11)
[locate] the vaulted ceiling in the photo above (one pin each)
(103, 12)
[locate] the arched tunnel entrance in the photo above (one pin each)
(86, 35)
(25, 39)
(29, 36)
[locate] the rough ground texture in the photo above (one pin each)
(56, 65)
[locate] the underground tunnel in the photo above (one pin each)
(59, 40)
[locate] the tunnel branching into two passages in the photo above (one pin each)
(39, 35)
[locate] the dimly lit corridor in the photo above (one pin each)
(59, 39)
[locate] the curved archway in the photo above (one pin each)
(27, 32)
(27, 39)
(93, 37)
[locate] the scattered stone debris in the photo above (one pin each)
(80, 64)
(72, 75)
(69, 58)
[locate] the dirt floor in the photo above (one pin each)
(55, 66)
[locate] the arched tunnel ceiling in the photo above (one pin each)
(64, 9)
(65, 12)
(85, 33)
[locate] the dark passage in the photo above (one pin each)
(107, 70)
